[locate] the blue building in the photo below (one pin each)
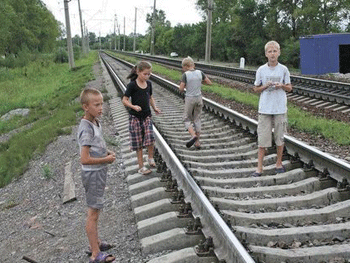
(322, 54)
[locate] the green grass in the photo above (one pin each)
(49, 92)
(299, 119)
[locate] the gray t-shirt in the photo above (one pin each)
(193, 80)
(90, 135)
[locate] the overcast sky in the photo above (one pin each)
(99, 14)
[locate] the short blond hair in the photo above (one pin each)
(272, 43)
(85, 95)
(188, 62)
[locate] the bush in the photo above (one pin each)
(61, 56)
(76, 52)
(21, 59)
(9, 61)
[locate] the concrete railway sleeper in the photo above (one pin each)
(297, 216)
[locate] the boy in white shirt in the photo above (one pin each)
(272, 81)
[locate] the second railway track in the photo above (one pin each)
(333, 95)
(301, 215)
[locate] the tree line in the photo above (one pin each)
(27, 24)
(240, 29)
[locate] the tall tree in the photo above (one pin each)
(161, 25)
(27, 23)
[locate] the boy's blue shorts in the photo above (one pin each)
(94, 183)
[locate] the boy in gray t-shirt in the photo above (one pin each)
(192, 80)
(94, 158)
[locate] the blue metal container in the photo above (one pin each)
(322, 54)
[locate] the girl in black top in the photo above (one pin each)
(140, 123)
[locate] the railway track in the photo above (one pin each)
(318, 93)
(297, 216)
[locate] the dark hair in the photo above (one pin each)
(142, 65)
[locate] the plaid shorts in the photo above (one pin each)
(140, 132)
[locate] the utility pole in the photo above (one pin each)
(87, 38)
(118, 37)
(82, 30)
(153, 27)
(115, 36)
(124, 35)
(100, 38)
(69, 36)
(208, 38)
(134, 47)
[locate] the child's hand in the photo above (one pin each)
(110, 152)
(157, 111)
(110, 158)
(137, 108)
(269, 84)
(278, 85)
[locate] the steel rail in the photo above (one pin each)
(248, 77)
(227, 246)
(324, 162)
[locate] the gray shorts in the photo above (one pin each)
(94, 183)
(192, 112)
(265, 124)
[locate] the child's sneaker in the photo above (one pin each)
(191, 142)
(144, 171)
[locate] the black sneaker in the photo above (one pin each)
(191, 142)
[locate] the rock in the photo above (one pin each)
(296, 244)
(272, 244)
(288, 225)
(11, 114)
(338, 238)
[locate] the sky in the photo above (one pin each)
(99, 14)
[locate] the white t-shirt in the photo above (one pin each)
(272, 100)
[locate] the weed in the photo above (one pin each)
(112, 141)
(47, 171)
(10, 203)
(104, 90)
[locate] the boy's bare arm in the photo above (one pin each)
(285, 87)
(207, 81)
(182, 86)
(86, 159)
(260, 88)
